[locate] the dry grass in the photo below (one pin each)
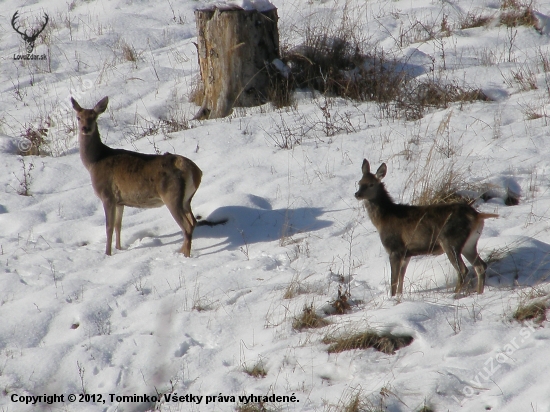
(285, 135)
(35, 142)
(524, 78)
(533, 111)
(298, 287)
(255, 407)
(257, 370)
(331, 46)
(356, 403)
(417, 96)
(335, 59)
(128, 52)
(516, 13)
(196, 91)
(531, 310)
(356, 400)
(442, 188)
(386, 342)
(341, 304)
(280, 89)
(513, 13)
(497, 255)
(26, 180)
(473, 19)
(308, 319)
(435, 181)
(294, 288)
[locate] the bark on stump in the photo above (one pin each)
(235, 46)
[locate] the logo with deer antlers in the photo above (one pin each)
(29, 39)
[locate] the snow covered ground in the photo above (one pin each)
(148, 321)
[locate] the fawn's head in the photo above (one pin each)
(87, 117)
(369, 183)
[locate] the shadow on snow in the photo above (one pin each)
(249, 225)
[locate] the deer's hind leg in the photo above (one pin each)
(191, 185)
(402, 270)
(188, 212)
(184, 218)
(454, 255)
(470, 253)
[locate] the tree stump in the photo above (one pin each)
(235, 47)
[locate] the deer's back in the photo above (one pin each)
(418, 230)
(140, 180)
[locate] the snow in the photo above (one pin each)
(147, 320)
(260, 5)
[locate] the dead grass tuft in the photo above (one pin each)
(516, 13)
(386, 342)
(257, 370)
(128, 52)
(531, 310)
(35, 143)
(497, 255)
(356, 400)
(436, 182)
(341, 304)
(255, 407)
(309, 319)
(473, 19)
(281, 86)
(416, 96)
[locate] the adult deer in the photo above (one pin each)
(407, 231)
(124, 178)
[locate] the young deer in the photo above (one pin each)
(407, 231)
(124, 178)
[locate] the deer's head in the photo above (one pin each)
(87, 118)
(370, 183)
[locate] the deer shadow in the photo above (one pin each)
(255, 222)
(249, 225)
(525, 262)
(525, 265)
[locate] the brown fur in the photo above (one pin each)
(407, 231)
(124, 178)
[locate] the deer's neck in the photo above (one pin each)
(92, 149)
(380, 206)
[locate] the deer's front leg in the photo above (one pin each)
(110, 217)
(118, 224)
(396, 263)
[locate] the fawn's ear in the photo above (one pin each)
(101, 106)
(381, 172)
(76, 106)
(365, 168)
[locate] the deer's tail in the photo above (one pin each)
(487, 215)
(204, 222)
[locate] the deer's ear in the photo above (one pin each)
(76, 106)
(101, 106)
(381, 172)
(365, 168)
